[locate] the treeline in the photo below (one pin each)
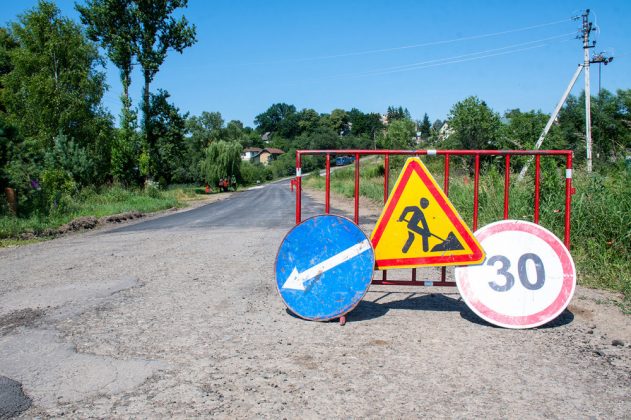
(57, 138)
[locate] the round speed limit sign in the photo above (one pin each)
(526, 280)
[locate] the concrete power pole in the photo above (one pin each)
(586, 29)
(600, 58)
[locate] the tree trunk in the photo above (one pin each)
(147, 123)
(12, 200)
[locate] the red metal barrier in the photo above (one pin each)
(446, 154)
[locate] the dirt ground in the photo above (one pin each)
(188, 323)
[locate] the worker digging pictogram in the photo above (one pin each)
(451, 243)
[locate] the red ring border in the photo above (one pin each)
(545, 315)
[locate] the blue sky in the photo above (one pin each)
(422, 55)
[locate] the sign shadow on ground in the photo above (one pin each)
(434, 302)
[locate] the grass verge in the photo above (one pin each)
(97, 203)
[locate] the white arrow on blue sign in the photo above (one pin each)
(324, 267)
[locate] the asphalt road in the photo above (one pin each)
(265, 206)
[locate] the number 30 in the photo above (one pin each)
(521, 272)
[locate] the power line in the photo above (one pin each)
(510, 49)
(521, 44)
(426, 44)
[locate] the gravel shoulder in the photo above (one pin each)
(187, 322)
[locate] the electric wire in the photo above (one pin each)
(521, 44)
(479, 55)
(425, 44)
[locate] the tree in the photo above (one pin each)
(308, 120)
(425, 127)
(111, 24)
(400, 135)
(610, 134)
(366, 127)
(475, 125)
(52, 87)
(156, 31)
(522, 129)
(339, 122)
(279, 118)
(168, 127)
(222, 159)
(7, 43)
(394, 114)
(233, 131)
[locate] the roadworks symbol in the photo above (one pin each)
(420, 227)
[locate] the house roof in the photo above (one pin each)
(274, 151)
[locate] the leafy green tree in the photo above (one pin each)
(203, 130)
(364, 124)
(156, 32)
(7, 43)
(222, 159)
(168, 127)
(280, 119)
(571, 122)
(610, 134)
(7, 137)
(475, 125)
(522, 129)
(233, 131)
(339, 122)
(53, 87)
(111, 24)
(400, 135)
(308, 120)
(323, 137)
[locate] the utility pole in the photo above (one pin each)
(601, 58)
(586, 29)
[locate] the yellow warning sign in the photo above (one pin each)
(420, 227)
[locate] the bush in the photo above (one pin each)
(251, 173)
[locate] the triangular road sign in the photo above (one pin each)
(420, 227)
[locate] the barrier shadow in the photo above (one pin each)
(436, 302)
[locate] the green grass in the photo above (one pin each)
(601, 211)
(98, 203)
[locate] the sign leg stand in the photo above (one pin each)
(343, 320)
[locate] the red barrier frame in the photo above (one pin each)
(447, 154)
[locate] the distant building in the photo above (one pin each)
(444, 132)
(250, 152)
(262, 156)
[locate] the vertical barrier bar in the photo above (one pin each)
(414, 274)
(443, 270)
(327, 193)
(386, 191)
(298, 187)
(446, 180)
(506, 184)
(357, 188)
(386, 177)
(476, 190)
(568, 198)
(537, 186)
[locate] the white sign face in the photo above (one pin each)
(526, 280)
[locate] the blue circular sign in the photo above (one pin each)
(324, 267)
